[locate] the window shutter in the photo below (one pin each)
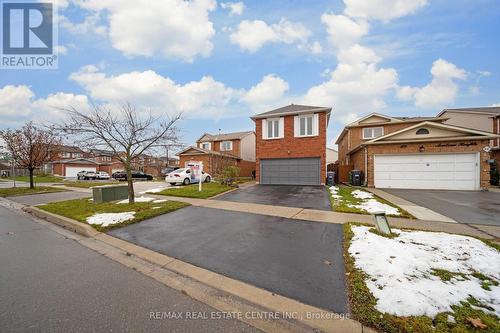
(264, 129)
(316, 124)
(296, 126)
(282, 127)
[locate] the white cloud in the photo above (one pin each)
(495, 105)
(316, 48)
(170, 28)
(61, 49)
(357, 54)
(90, 25)
(252, 35)
(235, 8)
(266, 93)
(15, 101)
(384, 10)
(344, 31)
(440, 91)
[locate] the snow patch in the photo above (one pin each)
(106, 219)
(362, 194)
(372, 206)
(139, 199)
(159, 200)
(400, 270)
(334, 191)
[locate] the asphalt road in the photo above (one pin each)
(298, 259)
(49, 283)
(463, 206)
(311, 197)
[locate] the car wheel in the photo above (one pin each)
(207, 180)
(186, 181)
(173, 184)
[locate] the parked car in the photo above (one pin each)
(168, 170)
(86, 175)
(185, 176)
(122, 175)
(102, 175)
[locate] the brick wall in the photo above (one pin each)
(246, 168)
(431, 147)
(290, 146)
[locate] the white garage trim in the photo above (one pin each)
(72, 172)
(452, 171)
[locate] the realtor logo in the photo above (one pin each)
(28, 35)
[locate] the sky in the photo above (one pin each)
(218, 63)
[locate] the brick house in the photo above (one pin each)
(291, 145)
(222, 150)
(419, 153)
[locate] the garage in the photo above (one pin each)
(290, 171)
(453, 171)
(73, 171)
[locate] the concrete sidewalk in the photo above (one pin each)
(482, 231)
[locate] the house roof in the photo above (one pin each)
(493, 110)
(77, 161)
(224, 136)
(292, 109)
(201, 151)
(69, 149)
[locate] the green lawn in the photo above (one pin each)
(39, 179)
(81, 209)
(347, 198)
(363, 306)
(89, 184)
(191, 191)
(15, 191)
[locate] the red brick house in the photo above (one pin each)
(221, 150)
(291, 145)
(415, 153)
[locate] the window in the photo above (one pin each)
(273, 128)
(205, 145)
(372, 132)
(226, 145)
(422, 131)
(66, 155)
(306, 125)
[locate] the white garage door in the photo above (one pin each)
(428, 171)
(72, 171)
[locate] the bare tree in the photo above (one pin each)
(30, 146)
(123, 131)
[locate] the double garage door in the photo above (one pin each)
(291, 171)
(73, 171)
(428, 171)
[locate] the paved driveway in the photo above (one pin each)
(297, 259)
(462, 206)
(312, 197)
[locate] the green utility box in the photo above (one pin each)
(109, 193)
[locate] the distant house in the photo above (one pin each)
(217, 151)
(332, 156)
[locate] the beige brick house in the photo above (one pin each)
(419, 153)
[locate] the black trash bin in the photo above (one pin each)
(357, 177)
(330, 178)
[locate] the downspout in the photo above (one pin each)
(365, 183)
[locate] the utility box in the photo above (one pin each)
(109, 193)
(357, 177)
(330, 178)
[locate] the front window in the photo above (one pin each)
(273, 128)
(306, 125)
(205, 145)
(226, 145)
(372, 132)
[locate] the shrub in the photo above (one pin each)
(229, 175)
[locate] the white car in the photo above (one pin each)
(102, 175)
(183, 176)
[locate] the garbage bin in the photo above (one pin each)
(330, 178)
(102, 194)
(357, 177)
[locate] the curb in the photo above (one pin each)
(70, 224)
(250, 297)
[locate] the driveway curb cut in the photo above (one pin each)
(251, 297)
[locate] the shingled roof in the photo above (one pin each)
(292, 109)
(224, 136)
(494, 110)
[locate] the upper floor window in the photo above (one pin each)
(205, 145)
(421, 131)
(66, 154)
(226, 145)
(372, 132)
(273, 128)
(306, 125)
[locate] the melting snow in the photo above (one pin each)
(362, 194)
(139, 199)
(159, 200)
(400, 270)
(106, 219)
(372, 206)
(334, 190)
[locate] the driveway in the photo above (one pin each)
(462, 206)
(312, 197)
(298, 259)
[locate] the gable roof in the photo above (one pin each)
(292, 109)
(493, 110)
(78, 161)
(224, 136)
(201, 151)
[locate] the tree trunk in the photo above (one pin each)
(131, 195)
(32, 183)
